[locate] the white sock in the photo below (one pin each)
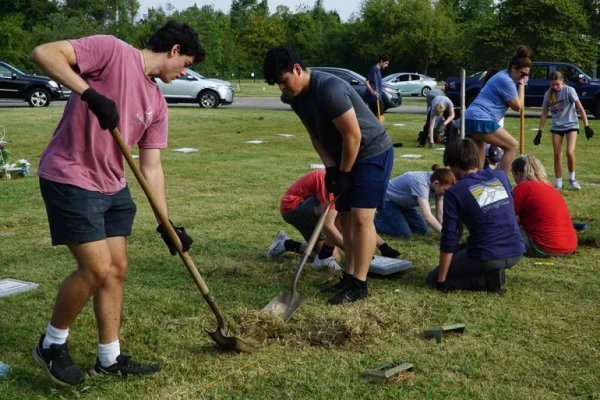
(108, 353)
(572, 176)
(558, 182)
(54, 336)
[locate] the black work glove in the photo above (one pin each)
(342, 183)
(538, 138)
(442, 287)
(104, 108)
(589, 132)
(331, 174)
(186, 241)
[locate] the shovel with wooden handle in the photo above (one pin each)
(218, 336)
(286, 304)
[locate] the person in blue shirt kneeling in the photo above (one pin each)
(482, 201)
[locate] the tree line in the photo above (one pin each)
(433, 37)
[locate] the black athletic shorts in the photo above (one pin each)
(79, 216)
(566, 131)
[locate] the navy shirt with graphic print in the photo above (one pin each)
(483, 202)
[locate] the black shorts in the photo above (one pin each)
(79, 216)
(566, 131)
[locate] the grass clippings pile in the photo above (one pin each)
(339, 327)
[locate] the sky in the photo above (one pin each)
(343, 7)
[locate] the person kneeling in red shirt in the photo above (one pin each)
(546, 225)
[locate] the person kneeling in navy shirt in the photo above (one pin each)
(482, 201)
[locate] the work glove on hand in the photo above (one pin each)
(342, 183)
(104, 108)
(331, 174)
(538, 138)
(186, 241)
(442, 287)
(589, 132)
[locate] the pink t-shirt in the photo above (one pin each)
(80, 153)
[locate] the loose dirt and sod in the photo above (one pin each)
(539, 341)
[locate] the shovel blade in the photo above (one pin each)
(284, 305)
(230, 343)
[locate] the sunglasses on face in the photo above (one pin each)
(523, 74)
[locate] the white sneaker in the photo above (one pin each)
(277, 248)
(328, 262)
(574, 184)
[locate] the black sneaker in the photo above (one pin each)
(338, 286)
(351, 293)
(123, 367)
(57, 362)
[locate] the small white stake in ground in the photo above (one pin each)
(13, 286)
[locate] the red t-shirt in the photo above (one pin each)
(311, 184)
(544, 214)
(80, 153)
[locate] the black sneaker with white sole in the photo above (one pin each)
(338, 286)
(57, 362)
(355, 290)
(124, 367)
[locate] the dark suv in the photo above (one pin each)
(38, 91)
(391, 95)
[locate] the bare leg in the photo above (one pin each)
(93, 265)
(500, 138)
(108, 299)
(557, 141)
(365, 238)
(571, 142)
(346, 221)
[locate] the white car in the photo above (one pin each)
(411, 83)
(194, 88)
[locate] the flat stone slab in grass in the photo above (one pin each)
(284, 135)
(387, 266)
(317, 166)
(13, 286)
(411, 156)
(186, 150)
(255, 141)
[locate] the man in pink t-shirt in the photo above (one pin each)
(82, 178)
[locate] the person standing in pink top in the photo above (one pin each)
(82, 178)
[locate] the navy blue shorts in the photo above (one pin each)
(79, 216)
(368, 182)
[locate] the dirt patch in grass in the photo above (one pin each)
(589, 242)
(337, 328)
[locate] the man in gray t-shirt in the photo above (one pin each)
(355, 149)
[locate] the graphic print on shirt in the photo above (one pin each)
(146, 118)
(559, 106)
(490, 195)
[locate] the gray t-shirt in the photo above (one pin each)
(564, 112)
(327, 98)
(432, 94)
(448, 105)
(406, 189)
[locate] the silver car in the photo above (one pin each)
(193, 87)
(411, 83)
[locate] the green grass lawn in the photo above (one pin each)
(539, 341)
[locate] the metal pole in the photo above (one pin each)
(463, 78)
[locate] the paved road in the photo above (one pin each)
(273, 103)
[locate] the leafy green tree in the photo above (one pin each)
(15, 46)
